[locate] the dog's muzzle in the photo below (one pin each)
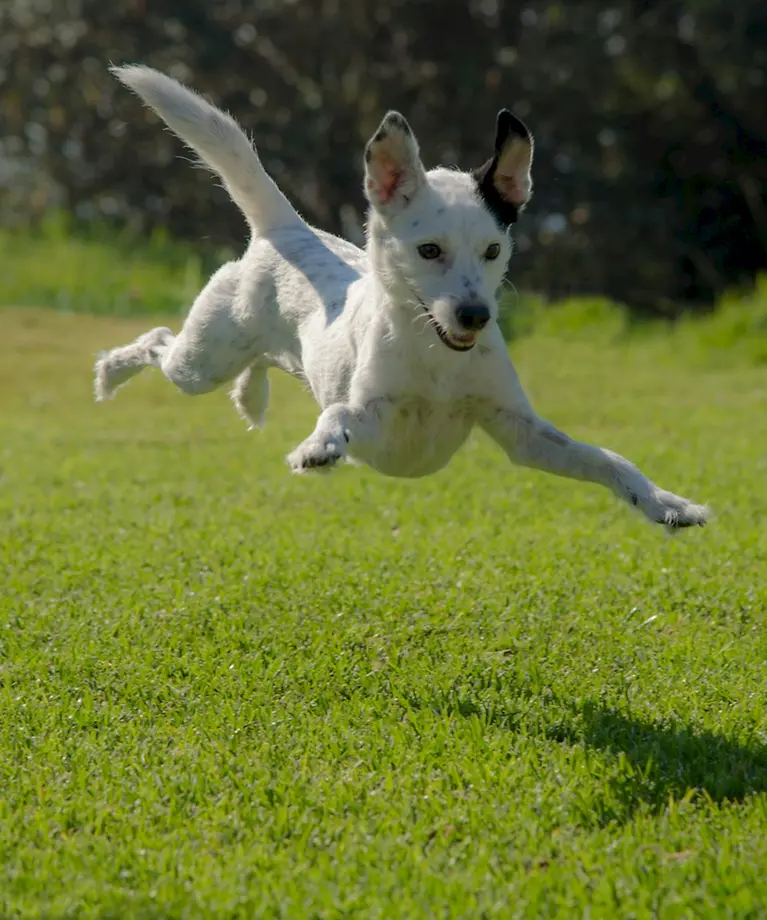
(458, 341)
(473, 315)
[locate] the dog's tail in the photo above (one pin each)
(220, 142)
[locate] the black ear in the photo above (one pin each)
(504, 183)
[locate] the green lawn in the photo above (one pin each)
(229, 692)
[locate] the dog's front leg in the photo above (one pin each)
(532, 442)
(340, 426)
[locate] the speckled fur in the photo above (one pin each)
(367, 329)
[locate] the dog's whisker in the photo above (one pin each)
(514, 291)
(427, 320)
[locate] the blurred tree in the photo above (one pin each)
(651, 173)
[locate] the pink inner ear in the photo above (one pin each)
(512, 177)
(387, 181)
(510, 190)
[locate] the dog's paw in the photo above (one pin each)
(315, 455)
(673, 511)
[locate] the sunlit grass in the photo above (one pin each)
(229, 692)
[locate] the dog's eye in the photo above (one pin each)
(493, 251)
(429, 251)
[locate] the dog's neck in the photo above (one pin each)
(391, 287)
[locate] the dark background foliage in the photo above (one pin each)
(649, 118)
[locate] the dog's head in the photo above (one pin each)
(439, 240)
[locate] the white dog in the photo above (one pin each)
(399, 343)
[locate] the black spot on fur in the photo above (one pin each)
(505, 214)
(556, 437)
(507, 127)
(380, 136)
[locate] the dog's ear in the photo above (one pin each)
(504, 182)
(393, 168)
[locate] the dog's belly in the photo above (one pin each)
(418, 439)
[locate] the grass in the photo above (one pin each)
(228, 692)
(98, 271)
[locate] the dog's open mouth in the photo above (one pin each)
(458, 341)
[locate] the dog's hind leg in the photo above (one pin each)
(216, 344)
(250, 395)
(116, 367)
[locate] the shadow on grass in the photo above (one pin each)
(670, 759)
(655, 761)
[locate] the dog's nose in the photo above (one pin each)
(472, 316)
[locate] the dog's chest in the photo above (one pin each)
(419, 437)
